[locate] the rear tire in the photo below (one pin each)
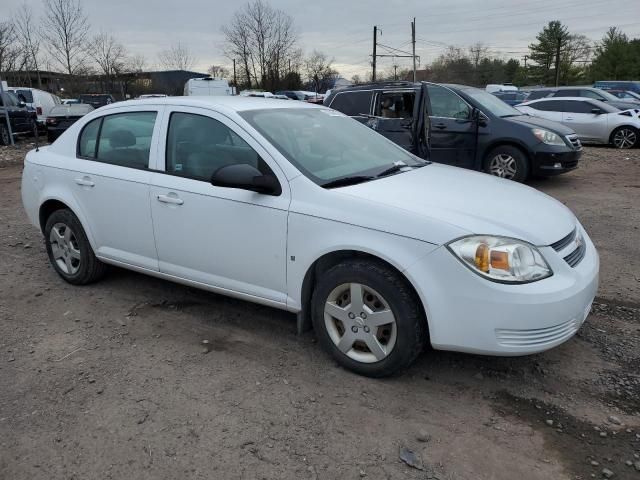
(508, 162)
(380, 334)
(69, 250)
(4, 135)
(625, 137)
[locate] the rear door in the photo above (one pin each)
(453, 135)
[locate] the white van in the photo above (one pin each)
(506, 87)
(42, 102)
(207, 86)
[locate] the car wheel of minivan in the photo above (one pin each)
(625, 137)
(507, 162)
(69, 251)
(368, 318)
(4, 135)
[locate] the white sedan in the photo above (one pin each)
(593, 121)
(302, 208)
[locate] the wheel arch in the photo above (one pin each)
(50, 205)
(509, 143)
(635, 129)
(332, 258)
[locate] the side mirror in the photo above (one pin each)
(479, 118)
(246, 177)
(596, 111)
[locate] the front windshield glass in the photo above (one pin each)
(326, 145)
(491, 103)
(608, 96)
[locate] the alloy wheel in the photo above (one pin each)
(65, 248)
(360, 322)
(624, 138)
(503, 165)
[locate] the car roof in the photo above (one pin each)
(233, 103)
(561, 99)
(566, 88)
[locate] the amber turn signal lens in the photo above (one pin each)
(482, 257)
(500, 260)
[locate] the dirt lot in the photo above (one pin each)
(112, 381)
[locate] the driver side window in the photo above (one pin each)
(198, 145)
(446, 104)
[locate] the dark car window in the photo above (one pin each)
(395, 105)
(198, 145)
(89, 139)
(548, 106)
(567, 93)
(125, 139)
(446, 104)
(575, 106)
(591, 94)
(11, 100)
(27, 94)
(352, 103)
(536, 94)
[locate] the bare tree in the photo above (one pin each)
(28, 38)
(218, 71)
(109, 54)
(136, 63)
(177, 57)
(64, 29)
(9, 51)
(263, 40)
(318, 70)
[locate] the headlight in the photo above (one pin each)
(501, 259)
(545, 136)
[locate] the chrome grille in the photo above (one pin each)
(577, 255)
(574, 141)
(563, 242)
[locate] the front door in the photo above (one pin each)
(453, 132)
(579, 116)
(110, 180)
(227, 238)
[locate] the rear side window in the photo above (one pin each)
(121, 139)
(574, 106)
(352, 103)
(536, 94)
(551, 106)
(28, 96)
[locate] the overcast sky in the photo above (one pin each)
(343, 28)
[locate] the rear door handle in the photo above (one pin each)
(568, 118)
(440, 126)
(171, 199)
(85, 182)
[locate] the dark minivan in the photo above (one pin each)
(462, 126)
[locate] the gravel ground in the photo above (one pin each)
(112, 380)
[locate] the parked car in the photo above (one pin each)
(207, 86)
(462, 126)
(625, 95)
(380, 251)
(21, 118)
(501, 87)
(151, 95)
(511, 98)
(97, 100)
(585, 92)
(63, 116)
(292, 94)
(594, 121)
(40, 100)
(632, 86)
(69, 101)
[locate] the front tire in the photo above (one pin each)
(625, 137)
(69, 250)
(507, 162)
(368, 318)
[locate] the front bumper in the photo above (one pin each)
(468, 313)
(546, 163)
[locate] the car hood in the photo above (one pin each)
(471, 201)
(531, 121)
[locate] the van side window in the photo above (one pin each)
(352, 103)
(395, 105)
(446, 104)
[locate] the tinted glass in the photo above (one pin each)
(491, 103)
(326, 145)
(197, 146)
(445, 103)
(574, 106)
(88, 139)
(395, 105)
(548, 106)
(28, 96)
(536, 94)
(352, 103)
(125, 139)
(591, 94)
(567, 93)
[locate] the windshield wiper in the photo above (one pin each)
(345, 181)
(397, 168)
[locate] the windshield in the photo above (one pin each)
(491, 103)
(608, 96)
(326, 145)
(28, 97)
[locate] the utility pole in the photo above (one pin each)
(235, 82)
(6, 112)
(558, 46)
(375, 41)
(413, 41)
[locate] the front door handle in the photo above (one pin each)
(85, 181)
(568, 118)
(440, 126)
(171, 199)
